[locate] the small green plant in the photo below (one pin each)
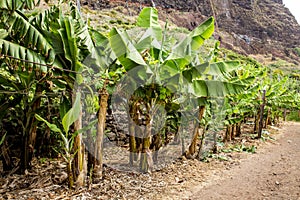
(68, 140)
(294, 116)
(209, 154)
(42, 160)
(240, 148)
(297, 50)
(266, 136)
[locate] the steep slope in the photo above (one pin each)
(246, 26)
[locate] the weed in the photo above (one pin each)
(294, 116)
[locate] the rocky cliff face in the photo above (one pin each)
(247, 26)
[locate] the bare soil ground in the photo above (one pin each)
(273, 172)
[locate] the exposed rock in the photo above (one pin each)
(247, 26)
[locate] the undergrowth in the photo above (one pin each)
(294, 116)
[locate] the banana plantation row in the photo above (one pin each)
(59, 77)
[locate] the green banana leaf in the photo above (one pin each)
(124, 50)
(219, 70)
(30, 37)
(72, 115)
(52, 127)
(13, 5)
(193, 41)
(16, 51)
(3, 33)
(148, 18)
(215, 88)
(67, 35)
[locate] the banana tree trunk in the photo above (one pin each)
(29, 132)
(132, 144)
(200, 150)
(276, 119)
(98, 161)
(70, 173)
(5, 154)
(80, 157)
(262, 107)
(90, 153)
(215, 146)
(155, 146)
(284, 114)
(268, 119)
(232, 132)
(132, 139)
(228, 133)
(192, 148)
(256, 122)
(146, 162)
(238, 129)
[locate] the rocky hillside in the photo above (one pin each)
(246, 26)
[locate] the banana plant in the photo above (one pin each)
(245, 104)
(280, 95)
(46, 49)
(26, 54)
(68, 140)
(179, 69)
(206, 82)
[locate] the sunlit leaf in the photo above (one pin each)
(73, 114)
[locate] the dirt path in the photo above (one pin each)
(272, 173)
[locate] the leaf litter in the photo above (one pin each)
(48, 179)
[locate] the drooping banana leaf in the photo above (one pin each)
(29, 37)
(124, 50)
(193, 41)
(47, 20)
(52, 127)
(219, 70)
(83, 36)
(103, 55)
(214, 88)
(25, 55)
